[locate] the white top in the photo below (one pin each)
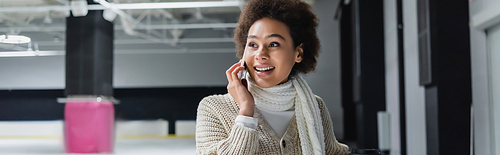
(277, 120)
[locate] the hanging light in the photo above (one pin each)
(47, 19)
(14, 39)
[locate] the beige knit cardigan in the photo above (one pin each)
(217, 133)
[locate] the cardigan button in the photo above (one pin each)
(283, 142)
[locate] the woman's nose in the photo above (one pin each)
(261, 54)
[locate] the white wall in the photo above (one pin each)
(494, 55)
(167, 70)
(392, 74)
(325, 82)
(416, 142)
(130, 70)
(480, 93)
(476, 6)
(32, 72)
(481, 86)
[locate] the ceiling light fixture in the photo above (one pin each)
(14, 39)
(170, 5)
(47, 19)
(30, 53)
(79, 8)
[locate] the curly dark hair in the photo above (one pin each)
(296, 14)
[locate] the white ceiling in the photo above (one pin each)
(168, 30)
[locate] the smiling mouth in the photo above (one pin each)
(263, 69)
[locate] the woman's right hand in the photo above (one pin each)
(239, 91)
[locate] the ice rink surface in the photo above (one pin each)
(168, 146)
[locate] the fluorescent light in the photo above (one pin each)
(79, 8)
(176, 5)
(158, 5)
(47, 19)
(30, 53)
(49, 53)
(14, 39)
(17, 54)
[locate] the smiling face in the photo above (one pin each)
(270, 53)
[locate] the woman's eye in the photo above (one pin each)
(274, 44)
(252, 45)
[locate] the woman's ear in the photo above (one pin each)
(299, 52)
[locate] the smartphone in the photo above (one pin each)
(242, 74)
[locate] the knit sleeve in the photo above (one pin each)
(213, 136)
(332, 146)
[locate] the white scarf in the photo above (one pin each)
(295, 92)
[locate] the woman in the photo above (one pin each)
(276, 112)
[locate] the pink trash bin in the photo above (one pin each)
(89, 126)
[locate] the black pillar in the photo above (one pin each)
(401, 78)
(89, 54)
(368, 68)
(445, 71)
(344, 16)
